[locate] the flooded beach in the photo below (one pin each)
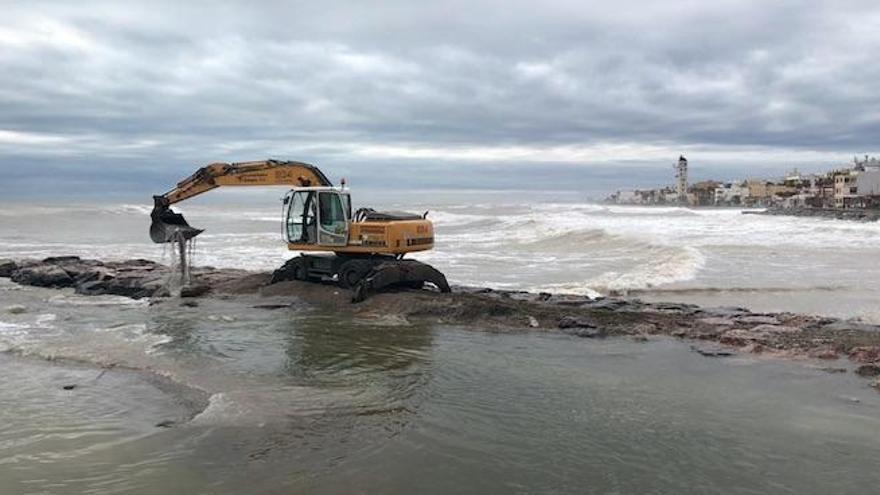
(232, 396)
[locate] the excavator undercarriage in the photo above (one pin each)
(362, 251)
(363, 275)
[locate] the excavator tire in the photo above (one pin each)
(400, 272)
(352, 272)
(293, 269)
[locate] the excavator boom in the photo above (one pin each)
(168, 226)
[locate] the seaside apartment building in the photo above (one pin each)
(845, 188)
(731, 194)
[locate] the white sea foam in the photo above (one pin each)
(667, 266)
(513, 244)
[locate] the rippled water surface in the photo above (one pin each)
(528, 240)
(228, 398)
(107, 395)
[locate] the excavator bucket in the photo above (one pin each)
(168, 225)
(401, 273)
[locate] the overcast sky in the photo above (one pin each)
(116, 96)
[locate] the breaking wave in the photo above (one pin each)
(667, 265)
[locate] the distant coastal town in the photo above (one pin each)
(855, 186)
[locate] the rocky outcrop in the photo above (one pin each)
(7, 267)
(736, 329)
(135, 278)
(856, 214)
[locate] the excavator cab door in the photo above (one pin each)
(333, 218)
(301, 217)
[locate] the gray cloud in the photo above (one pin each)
(149, 91)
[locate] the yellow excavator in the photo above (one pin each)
(363, 250)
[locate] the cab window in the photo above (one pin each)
(332, 212)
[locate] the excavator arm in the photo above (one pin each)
(169, 226)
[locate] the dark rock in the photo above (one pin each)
(7, 267)
(43, 276)
(849, 325)
(168, 423)
(713, 351)
(189, 304)
(161, 292)
(674, 307)
(68, 387)
(726, 311)
(716, 321)
(829, 369)
(758, 319)
(824, 354)
(83, 274)
(61, 259)
(865, 354)
(586, 333)
(194, 290)
(272, 306)
(868, 370)
(574, 322)
(128, 285)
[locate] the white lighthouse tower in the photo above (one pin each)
(681, 174)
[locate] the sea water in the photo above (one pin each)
(110, 395)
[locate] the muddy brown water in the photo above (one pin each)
(228, 398)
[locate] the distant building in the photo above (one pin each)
(868, 183)
(681, 176)
(757, 192)
(730, 193)
(703, 193)
(845, 188)
(866, 163)
(857, 186)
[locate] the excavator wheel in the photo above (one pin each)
(406, 273)
(351, 273)
(293, 269)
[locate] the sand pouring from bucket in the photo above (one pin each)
(169, 226)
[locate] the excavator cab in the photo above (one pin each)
(317, 216)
